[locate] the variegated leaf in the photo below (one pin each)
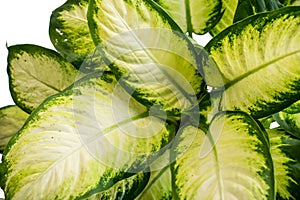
(252, 51)
(81, 142)
(36, 73)
(285, 154)
(192, 15)
(155, 64)
(12, 119)
(232, 161)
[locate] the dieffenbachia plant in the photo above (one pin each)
(131, 107)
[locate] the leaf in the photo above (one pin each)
(36, 73)
(248, 54)
(229, 8)
(290, 122)
(128, 188)
(192, 15)
(12, 119)
(293, 109)
(285, 154)
(159, 186)
(81, 142)
(155, 64)
(290, 2)
(231, 162)
(247, 8)
(69, 31)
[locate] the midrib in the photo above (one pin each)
(260, 67)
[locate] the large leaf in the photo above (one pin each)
(247, 8)
(128, 188)
(81, 142)
(232, 162)
(258, 60)
(69, 31)
(229, 7)
(35, 73)
(285, 154)
(12, 119)
(155, 64)
(192, 15)
(290, 122)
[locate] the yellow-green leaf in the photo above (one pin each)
(197, 16)
(155, 64)
(285, 154)
(232, 161)
(12, 119)
(69, 31)
(36, 73)
(258, 60)
(81, 142)
(229, 8)
(289, 122)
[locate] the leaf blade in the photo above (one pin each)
(88, 148)
(36, 73)
(213, 168)
(143, 51)
(12, 119)
(245, 61)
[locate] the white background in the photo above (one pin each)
(26, 22)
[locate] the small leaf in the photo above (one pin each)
(159, 186)
(191, 15)
(81, 142)
(289, 122)
(155, 64)
(128, 188)
(290, 2)
(248, 54)
(69, 31)
(231, 162)
(247, 8)
(229, 8)
(12, 119)
(293, 109)
(36, 73)
(285, 154)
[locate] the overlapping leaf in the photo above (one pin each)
(290, 122)
(81, 142)
(192, 15)
(159, 186)
(229, 8)
(12, 119)
(128, 188)
(69, 31)
(36, 73)
(293, 109)
(154, 63)
(232, 162)
(258, 60)
(247, 8)
(285, 154)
